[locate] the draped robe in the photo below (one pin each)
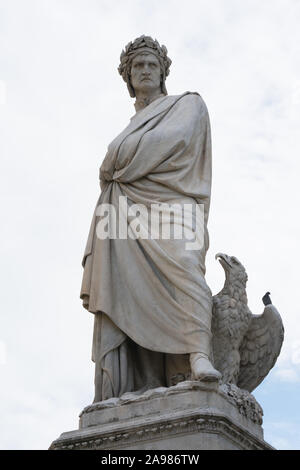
(150, 291)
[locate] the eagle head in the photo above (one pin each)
(234, 270)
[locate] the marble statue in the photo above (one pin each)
(150, 300)
(155, 320)
(174, 365)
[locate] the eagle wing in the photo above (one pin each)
(260, 348)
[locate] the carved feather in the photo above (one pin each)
(260, 348)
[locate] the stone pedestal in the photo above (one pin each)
(189, 416)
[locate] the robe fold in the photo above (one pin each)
(152, 291)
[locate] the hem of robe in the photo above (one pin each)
(128, 367)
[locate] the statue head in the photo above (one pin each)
(147, 51)
(234, 270)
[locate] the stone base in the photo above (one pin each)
(189, 416)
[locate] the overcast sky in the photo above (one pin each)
(61, 102)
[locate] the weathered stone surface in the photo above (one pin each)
(153, 310)
(156, 322)
(191, 415)
(147, 290)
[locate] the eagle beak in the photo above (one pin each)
(223, 259)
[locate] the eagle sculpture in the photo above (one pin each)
(245, 346)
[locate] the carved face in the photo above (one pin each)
(233, 268)
(145, 73)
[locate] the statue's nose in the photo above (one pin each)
(146, 68)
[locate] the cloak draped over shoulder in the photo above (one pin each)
(154, 290)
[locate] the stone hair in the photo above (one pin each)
(144, 44)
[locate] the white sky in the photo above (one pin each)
(61, 103)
